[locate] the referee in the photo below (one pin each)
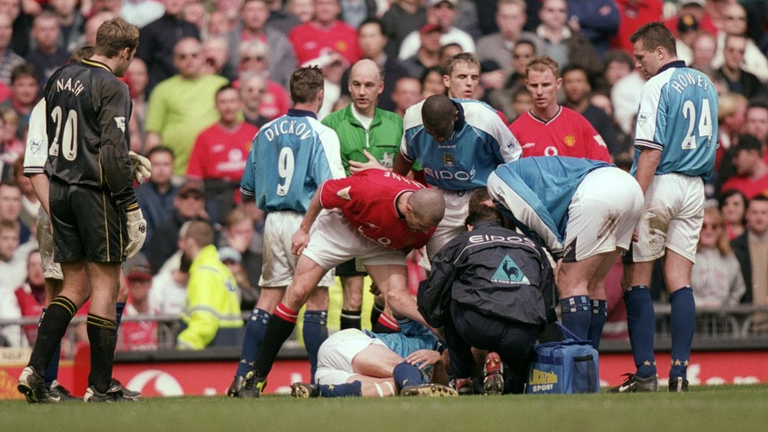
(94, 210)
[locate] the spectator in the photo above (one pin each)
(510, 18)
(141, 12)
(253, 26)
(247, 293)
(356, 12)
(443, 13)
(731, 116)
(254, 59)
(71, 23)
(157, 196)
(8, 58)
(138, 335)
(31, 296)
(733, 74)
(189, 204)
(699, 11)
(24, 88)
(10, 146)
(751, 249)
(13, 256)
(734, 22)
(428, 54)
(30, 205)
(158, 41)
(703, 52)
(303, 10)
(402, 18)
(616, 65)
(756, 122)
(211, 311)
(733, 207)
(253, 90)
(194, 12)
(240, 234)
(324, 33)
(169, 286)
(716, 277)
(11, 208)
(751, 171)
(577, 93)
(22, 26)
(597, 20)
(565, 45)
(282, 20)
(633, 14)
(218, 158)
(138, 79)
(183, 105)
(218, 24)
(371, 40)
(216, 55)
(407, 92)
(432, 82)
(47, 55)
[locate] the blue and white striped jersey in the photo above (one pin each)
(678, 116)
(290, 158)
(481, 141)
(535, 193)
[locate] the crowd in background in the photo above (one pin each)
(209, 74)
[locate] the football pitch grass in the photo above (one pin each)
(721, 409)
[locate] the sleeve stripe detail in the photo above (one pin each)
(648, 144)
(132, 207)
(247, 192)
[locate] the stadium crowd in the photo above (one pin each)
(208, 75)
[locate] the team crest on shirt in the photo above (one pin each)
(35, 145)
(344, 193)
(120, 123)
(643, 118)
(569, 140)
(387, 159)
(449, 159)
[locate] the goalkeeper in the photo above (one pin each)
(92, 204)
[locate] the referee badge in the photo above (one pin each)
(120, 123)
(449, 159)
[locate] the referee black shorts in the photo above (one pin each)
(87, 224)
(349, 269)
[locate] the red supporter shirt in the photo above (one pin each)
(220, 153)
(747, 186)
(368, 200)
(310, 41)
(633, 16)
(29, 307)
(275, 102)
(137, 335)
(568, 133)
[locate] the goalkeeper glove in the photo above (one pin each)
(140, 167)
(137, 232)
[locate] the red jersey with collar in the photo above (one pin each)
(749, 187)
(220, 153)
(29, 307)
(368, 200)
(568, 133)
(310, 41)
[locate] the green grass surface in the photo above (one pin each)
(722, 409)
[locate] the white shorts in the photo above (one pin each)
(453, 223)
(279, 263)
(51, 269)
(333, 241)
(672, 218)
(334, 359)
(602, 215)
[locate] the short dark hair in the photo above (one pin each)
(747, 142)
(224, 88)
(757, 198)
(82, 53)
(653, 35)
(306, 82)
(161, 149)
(437, 111)
(114, 36)
(479, 212)
(24, 70)
(758, 102)
(199, 231)
(618, 56)
(374, 21)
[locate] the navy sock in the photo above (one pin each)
(315, 333)
(681, 324)
(353, 389)
(254, 335)
(599, 316)
(119, 308)
(350, 319)
(52, 371)
(577, 315)
(406, 374)
(52, 328)
(641, 324)
(376, 312)
(279, 329)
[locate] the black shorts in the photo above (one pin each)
(349, 269)
(87, 224)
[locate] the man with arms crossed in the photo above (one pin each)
(675, 143)
(90, 173)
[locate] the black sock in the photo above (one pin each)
(375, 314)
(52, 328)
(279, 329)
(102, 335)
(350, 319)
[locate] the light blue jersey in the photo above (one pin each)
(678, 116)
(481, 141)
(412, 337)
(535, 194)
(290, 158)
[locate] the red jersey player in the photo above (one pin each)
(549, 129)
